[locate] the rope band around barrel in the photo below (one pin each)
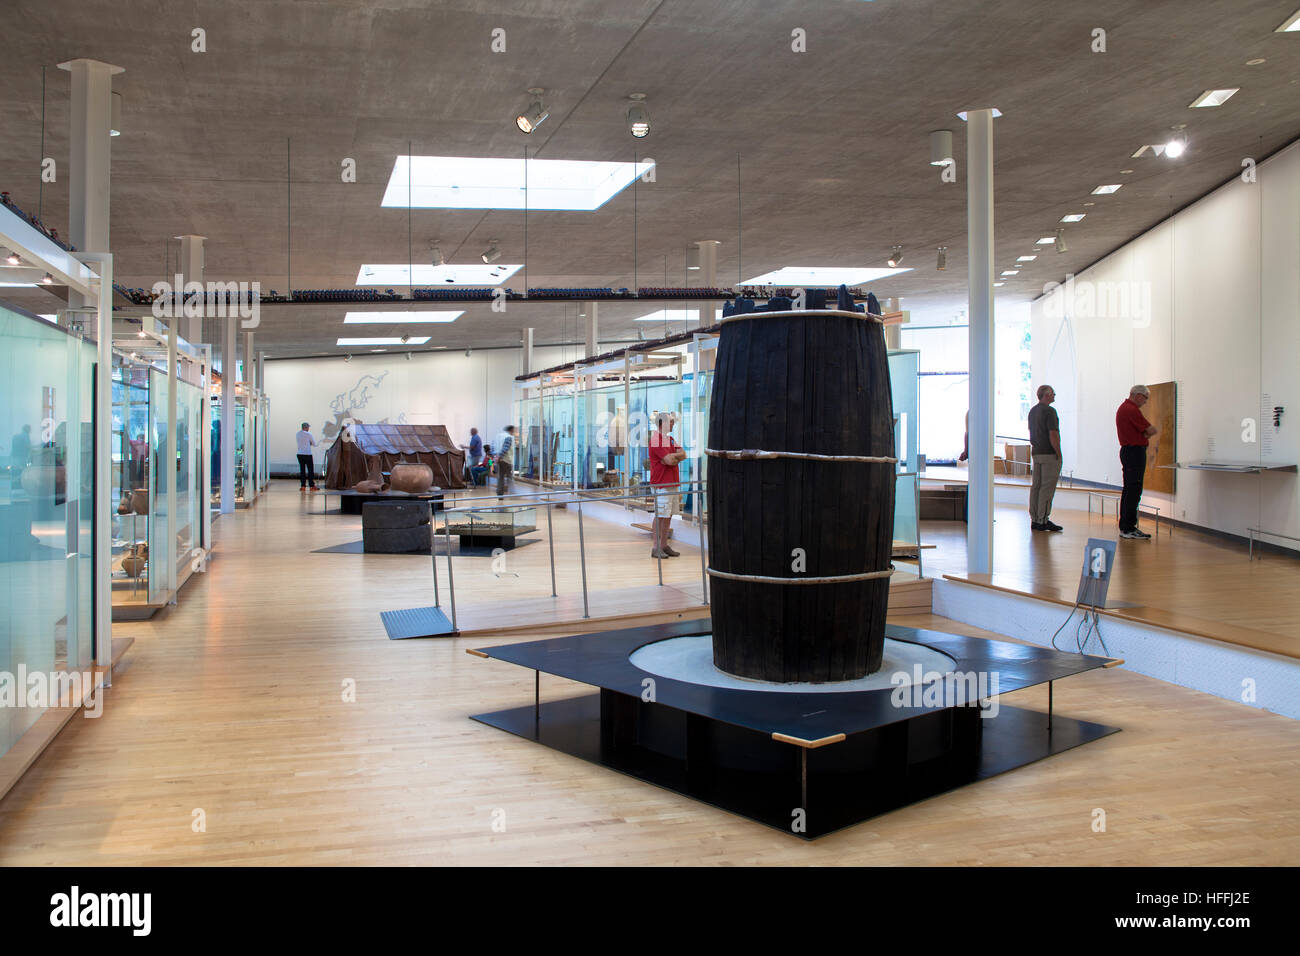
(804, 313)
(832, 579)
(758, 454)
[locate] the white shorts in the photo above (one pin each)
(667, 505)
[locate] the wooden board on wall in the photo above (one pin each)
(1160, 411)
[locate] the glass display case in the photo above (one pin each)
(493, 528)
(46, 504)
(159, 525)
(557, 436)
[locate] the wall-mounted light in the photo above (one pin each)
(535, 115)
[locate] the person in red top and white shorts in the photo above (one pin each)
(1135, 434)
(665, 455)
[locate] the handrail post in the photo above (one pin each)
(451, 582)
(654, 522)
(433, 550)
(550, 543)
(704, 571)
(582, 556)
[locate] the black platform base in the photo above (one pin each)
(805, 763)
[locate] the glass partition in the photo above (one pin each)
(557, 435)
(189, 472)
(46, 505)
(131, 471)
(903, 367)
(160, 528)
(602, 437)
(528, 446)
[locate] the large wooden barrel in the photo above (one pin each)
(801, 496)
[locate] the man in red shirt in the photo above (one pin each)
(665, 454)
(1135, 434)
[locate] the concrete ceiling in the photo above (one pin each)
(832, 143)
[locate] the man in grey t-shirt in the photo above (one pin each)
(1045, 448)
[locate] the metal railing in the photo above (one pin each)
(549, 499)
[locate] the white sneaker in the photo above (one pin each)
(1136, 535)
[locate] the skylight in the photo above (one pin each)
(1107, 190)
(411, 340)
(1011, 272)
(462, 182)
(1045, 241)
(391, 274)
(1074, 217)
(378, 318)
(1212, 98)
(672, 315)
(821, 276)
(1291, 24)
(1026, 258)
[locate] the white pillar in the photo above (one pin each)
(979, 229)
(526, 343)
(591, 328)
(708, 279)
(89, 156)
(191, 266)
(205, 485)
(103, 562)
(893, 333)
(228, 362)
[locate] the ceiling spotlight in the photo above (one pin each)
(535, 115)
(638, 120)
(141, 333)
(896, 256)
(941, 147)
(48, 280)
(943, 259)
(1175, 148)
(435, 254)
(348, 357)
(1060, 241)
(405, 339)
(492, 253)
(13, 259)
(408, 356)
(469, 352)
(115, 123)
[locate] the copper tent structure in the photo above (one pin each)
(361, 449)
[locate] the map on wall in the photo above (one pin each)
(346, 404)
(1161, 411)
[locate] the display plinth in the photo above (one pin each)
(805, 763)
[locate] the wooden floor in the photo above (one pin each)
(1188, 580)
(232, 704)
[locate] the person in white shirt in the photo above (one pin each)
(306, 466)
(505, 450)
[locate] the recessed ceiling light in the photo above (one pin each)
(1011, 272)
(671, 315)
(819, 276)
(1125, 172)
(1175, 148)
(998, 284)
(463, 182)
(1074, 217)
(1026, 258)
(1107, 190)
(1090, 204)
(1213, 98)
(962, 115)
(638, 119)
(1256, 61)
(393, 274)
(1291, 24)
(410, 340)
(1045, 241)
(378, 318)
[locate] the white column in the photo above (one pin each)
(526, 343)
(591, 328)
(893, 333)
(89, 156)
(191, 267)
(205, 485)
(708, 279)
(103, 561)
(979, 228)
(228, 362)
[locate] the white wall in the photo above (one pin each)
(1214, 305)
(441, 388)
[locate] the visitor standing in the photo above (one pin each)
(306, 466)
(665, 454)
(1045, 450)
(505, 447)
(475, 450)
(1135, 434)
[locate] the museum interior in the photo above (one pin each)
(800, 389)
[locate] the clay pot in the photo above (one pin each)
(368, 486)
(140, 501)
(136, 560)
(411, 477)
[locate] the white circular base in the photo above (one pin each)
(690, 660)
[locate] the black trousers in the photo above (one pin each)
(1133, 459)
(306, 471)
